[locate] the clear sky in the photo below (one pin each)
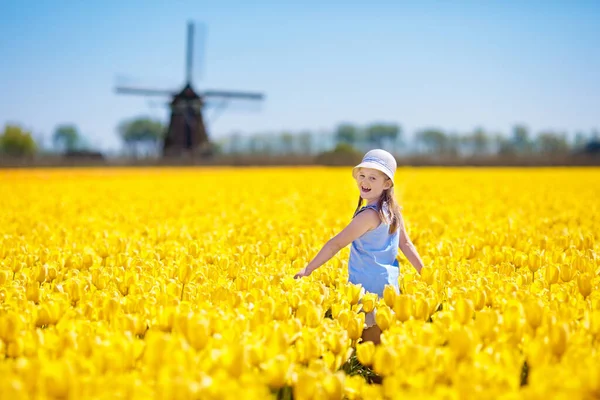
(453, 65)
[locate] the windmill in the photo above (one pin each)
(187, 132)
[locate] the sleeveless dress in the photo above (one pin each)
(372, 261)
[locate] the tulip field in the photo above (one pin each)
(177, 283)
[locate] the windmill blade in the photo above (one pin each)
(189, 52)
(143, 91)
(195, 51)
(233, 95)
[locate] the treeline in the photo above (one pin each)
(139, 136)
(142, 137)
(428, 141)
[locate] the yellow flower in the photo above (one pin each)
(422, 309)
(365, 352)
(355, 326)
(584, 283)
(567, 273)
(534, 312)
(147, 297)
(461, 342)
(403, 307)
(559, 337)
(368, 301)
(383, 317)
(464, 311)
(384, 360)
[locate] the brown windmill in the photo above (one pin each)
(187, 132)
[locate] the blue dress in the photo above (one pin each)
(372, 261)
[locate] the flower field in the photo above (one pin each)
(178, 283)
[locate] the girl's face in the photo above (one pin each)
(371, 183)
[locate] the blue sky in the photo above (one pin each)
(453, 65)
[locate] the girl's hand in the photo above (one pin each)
(301, 273)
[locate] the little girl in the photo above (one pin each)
(376, 232)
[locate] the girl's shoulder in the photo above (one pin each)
(367, 207)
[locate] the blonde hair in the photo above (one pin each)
(387, 197)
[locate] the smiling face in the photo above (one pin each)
(371, 183)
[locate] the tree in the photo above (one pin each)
(287, 142)
(15, 141)
(477, 142)
(549, 142)
(481, 141)
(66, 138)
(378, 133)
(141, 132)
(346, 133)
(433, 140)
(521, 141)
(305, 142)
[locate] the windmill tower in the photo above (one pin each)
(186, 133)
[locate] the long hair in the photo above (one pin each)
(393, 217)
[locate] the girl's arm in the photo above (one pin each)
(363, 222)
(408, 248)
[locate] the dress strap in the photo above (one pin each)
(371, 206)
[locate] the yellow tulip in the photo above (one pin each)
(282, 311)
(385, 360)
(485, 322)
(535, 262)
(552, 274)
(538, 353)
(365, 352)
(513, 318)
(559, 337)
(333, 386)
(10, 326)
(389, 295)
(383, 317)
(368, 302)
(337, 341)
(422, 309)
(534, 312)
(15, 348)
(307, 385)
(403, 307)
(464, 311)
(567, 273)
(42, 273)
(584, 283)
(461, 342)
(344, 318)
(427, 275)
(355, 326)
(353, 293)
(44, 317)
(33, 292)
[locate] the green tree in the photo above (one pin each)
(378, 133)
(521, 141)
(347, 133)
(66, 137)
(549, 142)
(16, 141)
(434, 140)
(287, 142)
(305, 142)
(142, 132)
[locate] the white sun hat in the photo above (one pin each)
(380, 160)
